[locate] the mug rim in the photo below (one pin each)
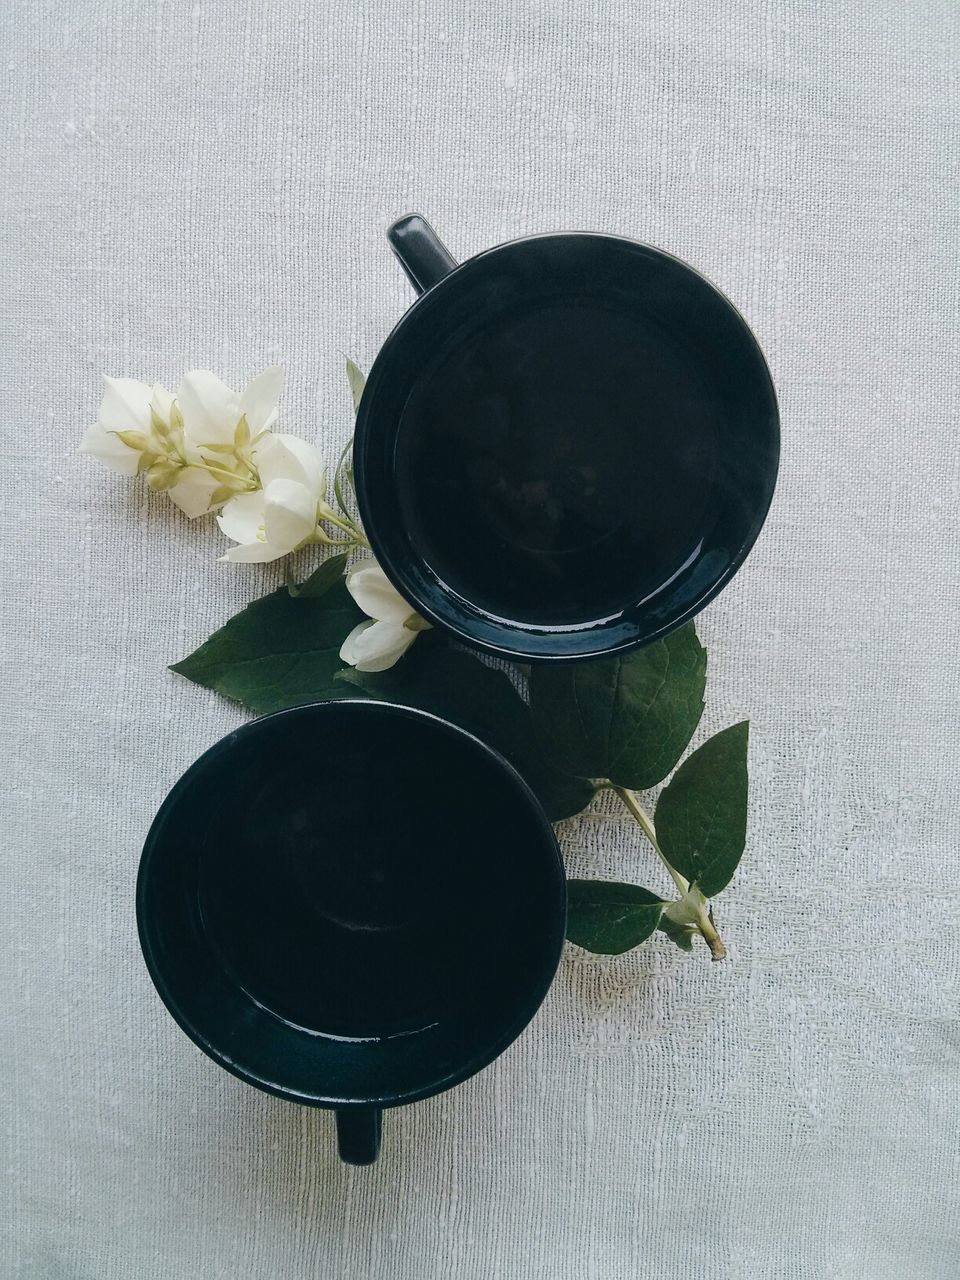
(502, 647)
(536, 991)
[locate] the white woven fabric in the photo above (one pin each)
(208, 185)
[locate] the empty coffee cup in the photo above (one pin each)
(351, 905)
(567, 445)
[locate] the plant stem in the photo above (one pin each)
(230, 477)
(704, 920)
(629, 798)
(347, 525)
(710, 936)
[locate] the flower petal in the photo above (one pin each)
(259, 399)
(242, 517)
(283, 457)
(348, 650)
(290, 514)
(376, 595)
(125, 405)
(375, 646)
(192, 490)
(109, 449)
(198, 457)
(210, 409)
(253, 553)
(161, 401)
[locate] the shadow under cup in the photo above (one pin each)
(351, 905)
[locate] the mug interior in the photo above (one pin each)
(351, 903)
(566, 446)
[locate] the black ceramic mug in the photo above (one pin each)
(568, 444)
(351, 905)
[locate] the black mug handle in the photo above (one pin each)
(358, 1135)
(421, 254)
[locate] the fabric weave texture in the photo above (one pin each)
(207, 185)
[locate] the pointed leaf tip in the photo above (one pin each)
(701, 816)
(357, 382)
(609, 918)
(278, 652)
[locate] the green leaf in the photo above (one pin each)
(323, 578)
(682, 934)
(343, 469)
(277, 652)
(357, 382)
(628, 718)
(701, 817)
(461, 688)
(610, 918)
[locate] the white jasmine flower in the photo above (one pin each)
(285, 514)
(140, 429)
(125, 411)
(195, 446)
(213, 413)
(393, 626)
(221, 427)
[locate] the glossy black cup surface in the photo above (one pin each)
(567, 446)
(351, 905)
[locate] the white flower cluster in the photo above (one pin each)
(213, 449)
(210, 447)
